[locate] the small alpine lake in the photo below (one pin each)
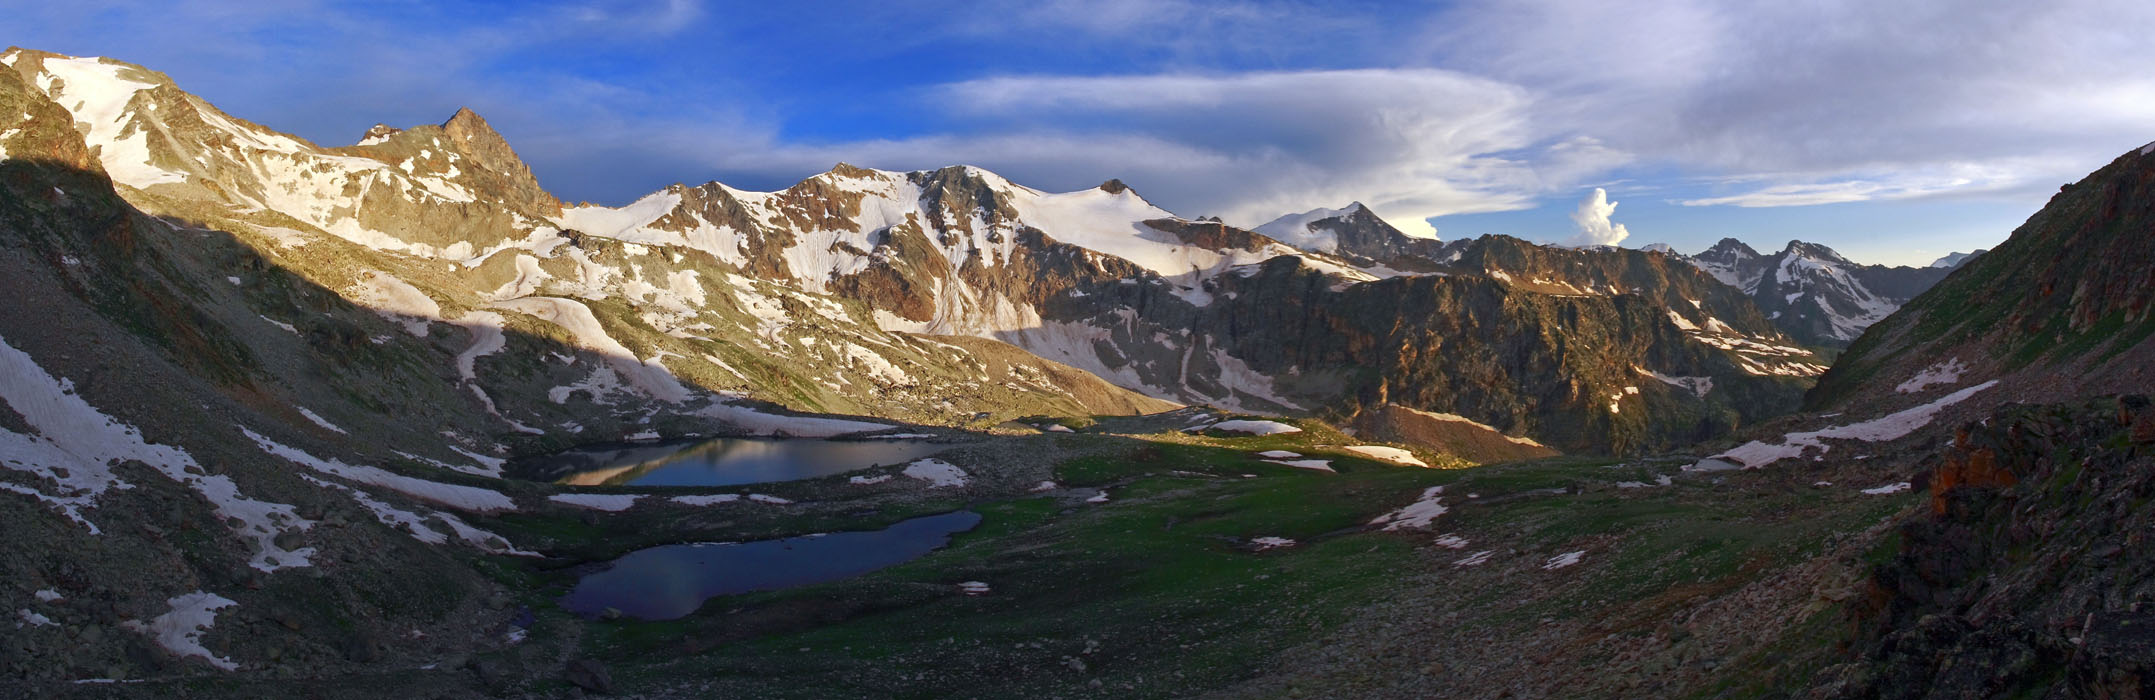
(671, 581)
(718, 462)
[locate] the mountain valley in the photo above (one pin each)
(276, 413)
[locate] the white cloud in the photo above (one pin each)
(1592, 217)
(1831, 101)
(1511, 101)
(1413, 143)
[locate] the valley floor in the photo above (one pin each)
(1162, 563)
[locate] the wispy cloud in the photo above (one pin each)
(1410, 143)
(1242, 109)
(1833, 101)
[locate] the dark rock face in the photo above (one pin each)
(2030, 576)
(1522, 351)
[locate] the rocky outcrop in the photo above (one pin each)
(1446, 433)
(2027, 577)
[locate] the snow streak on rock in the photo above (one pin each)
(76, 446)
(180, 629)
(466, 498)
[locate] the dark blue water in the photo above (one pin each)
(720, 462)
(663, 583)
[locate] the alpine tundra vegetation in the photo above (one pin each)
(394, 419)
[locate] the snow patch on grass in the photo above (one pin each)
(1255, 427)
(938, 473)
(1264, 543)
(1476, 559)
(1278, 454)
(1889, 489)
(867, 480)
(1757, 453)
(1418, 514)
(1388, 454)
(1563, 560)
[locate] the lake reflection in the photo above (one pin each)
(663, 583)
(720, 462)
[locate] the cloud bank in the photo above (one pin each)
(1242, 109)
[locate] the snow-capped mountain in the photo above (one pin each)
(1355, 233)
(827, 296)
(1813, 293)
(1188, 310)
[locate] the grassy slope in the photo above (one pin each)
(1157, 592)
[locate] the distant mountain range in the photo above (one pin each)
(1814, 294)
(826, 296)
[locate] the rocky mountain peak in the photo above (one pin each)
(1729, 249)
(849, 170)
(471, 135)
(1114, 186)
(1814, 251)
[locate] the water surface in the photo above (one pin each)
(719, 462)
(667, 582)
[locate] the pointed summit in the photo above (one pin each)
(849, 170)
(1814, 251)
(1729, 248)
(504, 172)
(1114, 186)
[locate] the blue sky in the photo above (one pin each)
(1895, 132)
